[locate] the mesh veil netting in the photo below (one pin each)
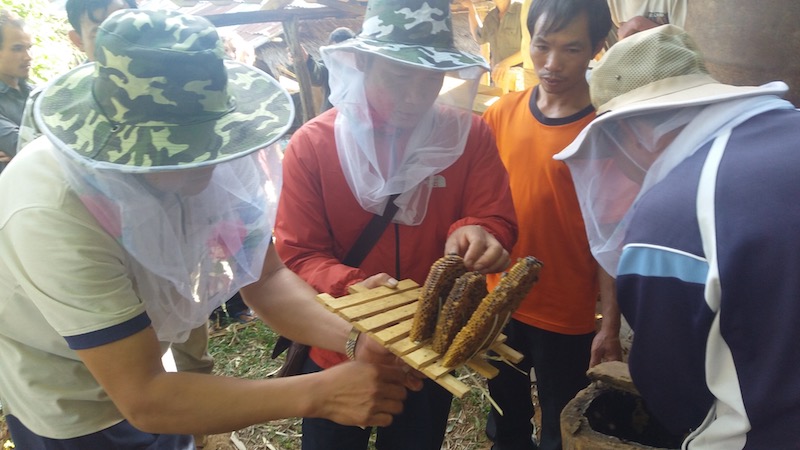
(188, 253)
(436, 142)
(620, 158)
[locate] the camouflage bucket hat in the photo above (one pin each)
(161, 96)
(416, 32)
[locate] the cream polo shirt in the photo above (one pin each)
(63, 286)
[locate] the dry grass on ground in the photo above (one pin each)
(244, 352)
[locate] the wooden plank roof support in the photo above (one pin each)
(281, 15)
(300, 70)
(348, 7)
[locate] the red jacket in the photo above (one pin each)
(319, 219)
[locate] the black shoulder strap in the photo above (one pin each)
(369, 237)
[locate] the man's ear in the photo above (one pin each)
(76, 40)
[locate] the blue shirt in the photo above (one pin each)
(662, 280)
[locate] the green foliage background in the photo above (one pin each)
(52, 52)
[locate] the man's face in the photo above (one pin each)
(85, 41)
(639, 145)
(400, 94)
(185, 182)
(15, 56)
(562, 57)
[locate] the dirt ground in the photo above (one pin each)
(219, 442)
(226, 442)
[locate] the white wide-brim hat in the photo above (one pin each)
(657, 69)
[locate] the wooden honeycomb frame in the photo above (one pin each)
(387, 314)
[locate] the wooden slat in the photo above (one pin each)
(421, 358)
(453, 385)
(389, 318)
(437, 370)
(483, 367)
(378, 306)
(371, 294)
(508, 353)
(356, 288)
(326, 300)
(404, 346)
(394, 333)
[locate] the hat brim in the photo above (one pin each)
(68, 115)
(442, 59)
(650, 98)
(687, 90)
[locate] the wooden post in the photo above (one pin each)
(300, 69)
(748, 43)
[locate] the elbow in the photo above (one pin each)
(144, 415)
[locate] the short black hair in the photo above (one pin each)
(561, 12)
(77, 8)
(8, 19)
(340, 34)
